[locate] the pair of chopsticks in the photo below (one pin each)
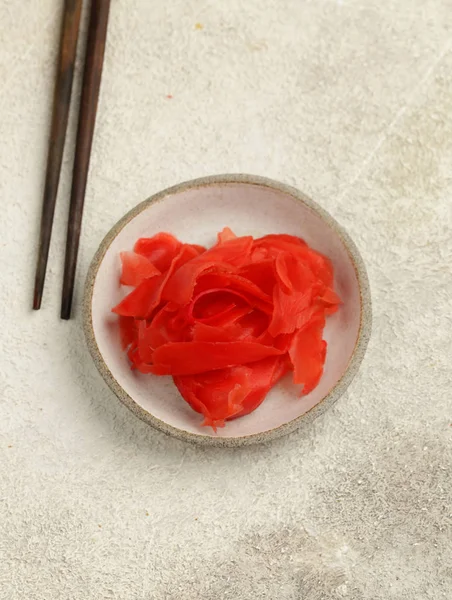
(97, 34)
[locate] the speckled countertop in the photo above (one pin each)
(348, 101)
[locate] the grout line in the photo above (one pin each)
(394, 122)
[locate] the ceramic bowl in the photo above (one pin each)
(194, 212)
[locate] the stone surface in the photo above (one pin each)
(350, 102)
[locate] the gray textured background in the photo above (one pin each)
(350, 102)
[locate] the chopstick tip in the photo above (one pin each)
(37, 297)
(65, 311)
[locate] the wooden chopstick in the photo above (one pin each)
(97, 35)
(61, 102)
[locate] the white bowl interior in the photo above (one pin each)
(195, 215)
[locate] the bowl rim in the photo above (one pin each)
(304, 420)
